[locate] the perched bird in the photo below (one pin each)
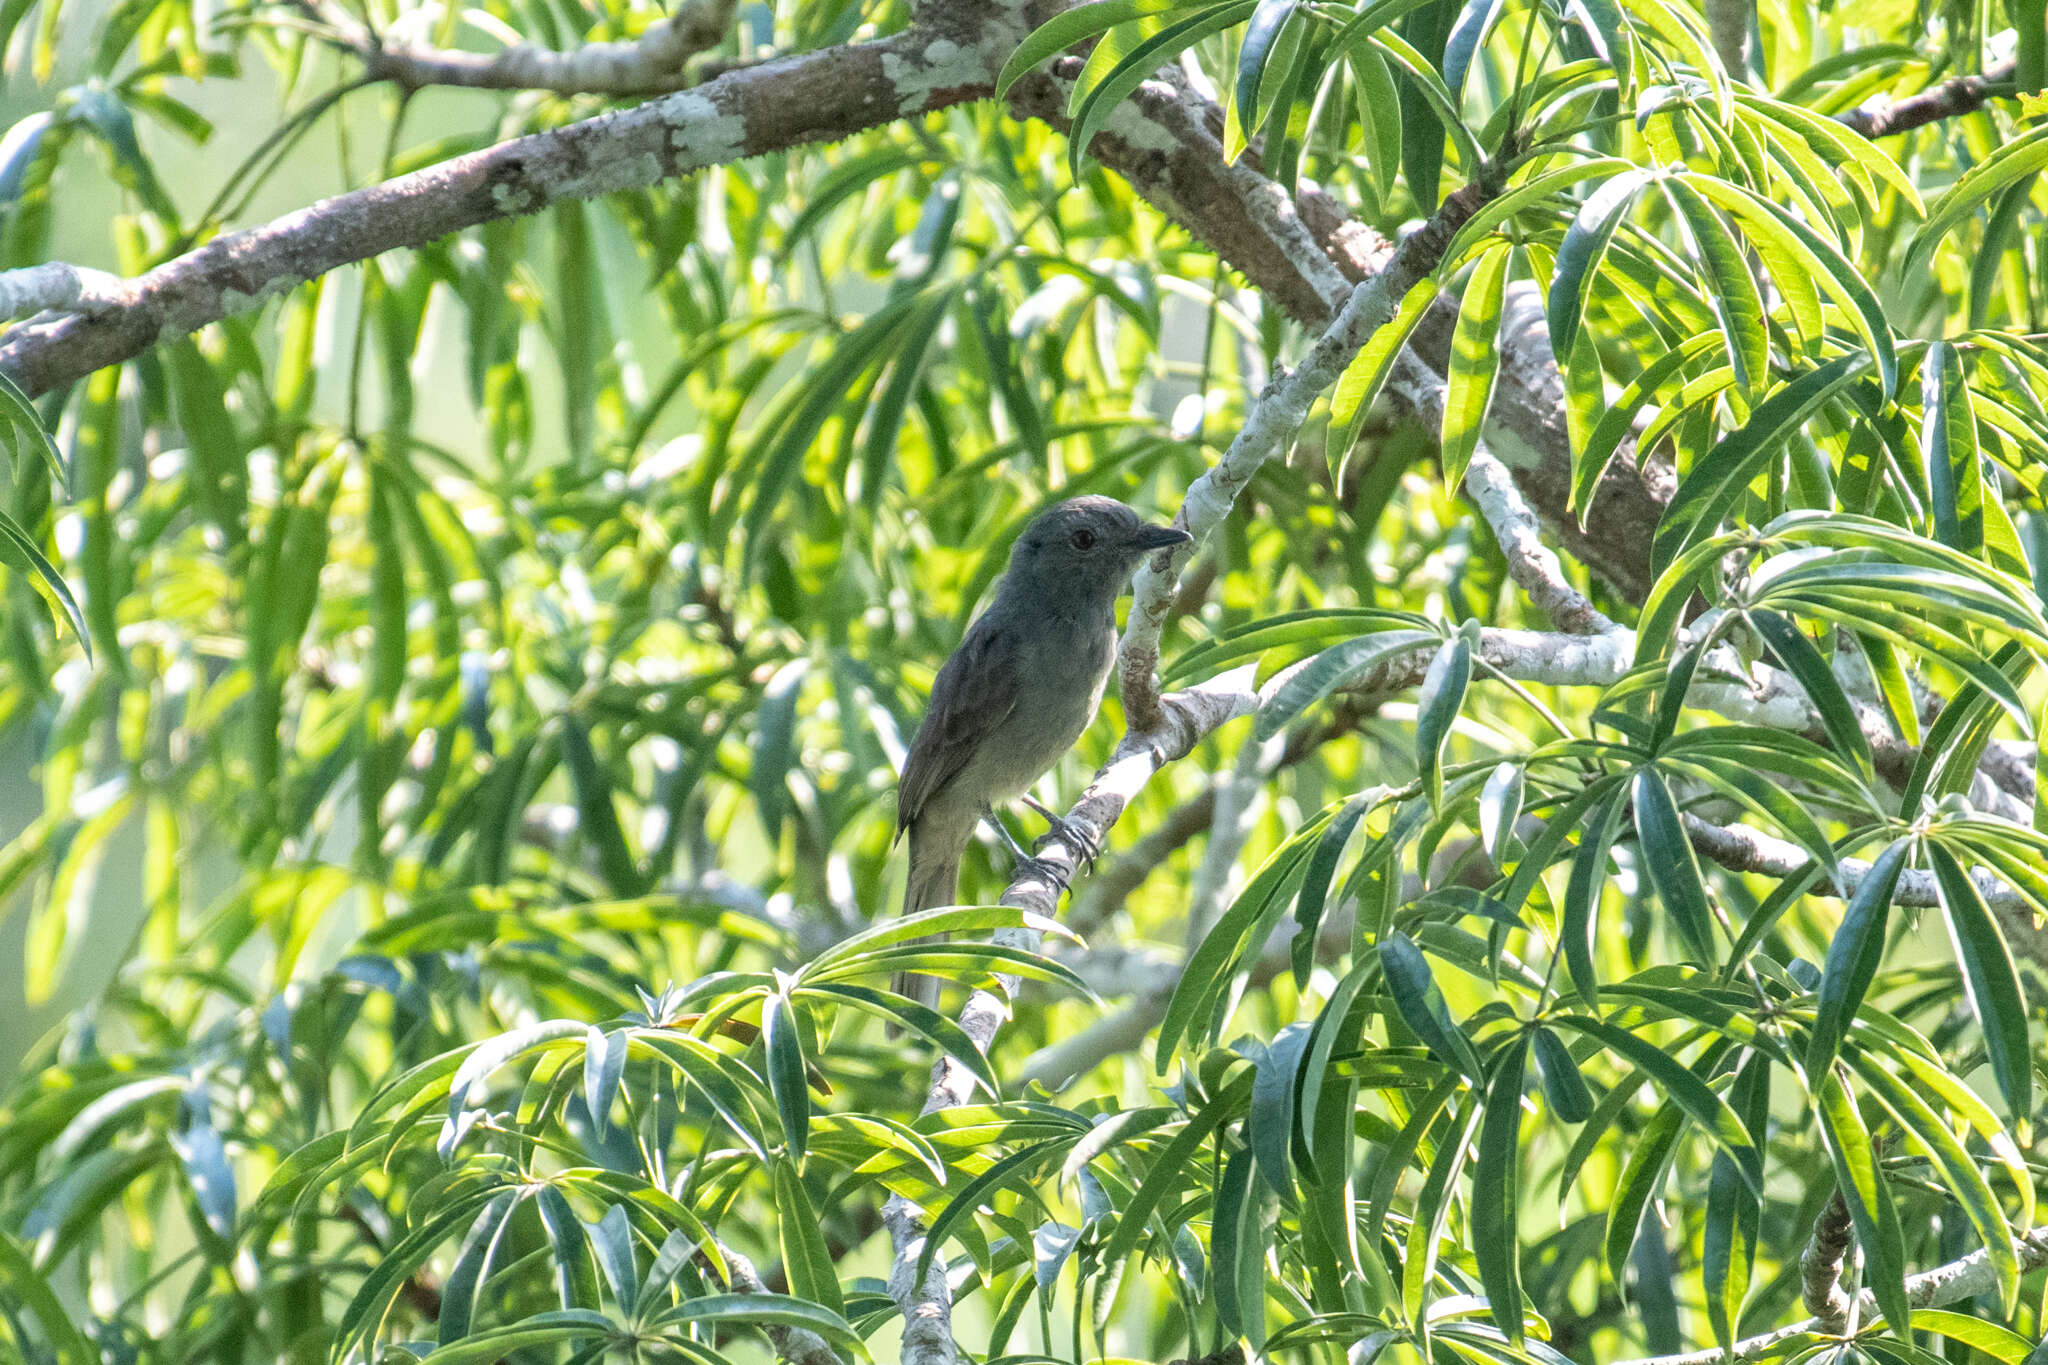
(1019, 690)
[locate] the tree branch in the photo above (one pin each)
(1185, 718)
(1963, 95)
(649, 64)
(1272, 423)
(1959, 1279)
(1820, 1266)
(797, 1345)
(814, 97)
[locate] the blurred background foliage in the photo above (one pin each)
(500, 655)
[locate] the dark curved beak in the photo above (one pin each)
(1149, 538)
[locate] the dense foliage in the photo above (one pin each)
(465, 693)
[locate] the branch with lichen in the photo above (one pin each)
(815, 97)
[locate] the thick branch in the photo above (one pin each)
(1820, 1266)
(1960, 1279)
(1962, 95)
(810, 98)
(58, 286)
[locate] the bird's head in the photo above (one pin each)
(1088, 545)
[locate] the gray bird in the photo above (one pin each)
(1018, 691)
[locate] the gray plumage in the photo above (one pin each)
(1020, 689)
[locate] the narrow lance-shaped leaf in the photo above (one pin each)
(1948, 439)
(1861, 1181)
(1475, 360)
(1421, 1004)
(1495, 1206)
(1579, 256)
(1563, 1086)
(1442, 697)
(1582, 893)
(1717, 478)
(787, 1073)
(1674, 870)
(1853, 956)
(1989, 979)
(1261, 36)
(1803, 661)
(1500, 810)
(1237, 1247)
(805, 1258)
(1728, 1239)
(1734, 296)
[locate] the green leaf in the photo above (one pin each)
(1684, 1089)
(1269, 1124)
(1578, 257)
(1580, 929)
(1442, 698)
(1853, 956)
(1640, 1176)
(1096, 102)
(612, 1238)
(1072, 26)
(604, 1066)
(1475, 360)
(1948, 438)
(805, 1258)
(1990, 980)
(1861, 1181)
(1798, 656)
(2000, 1343)
(767, 1310)
(1955, 1164)
(1315, 882)
(23, 1284)
(19, 551)
(1821, 259)
(1168, 1171)
(1496, 1206)
(1326, 672)
(1674, 870)
(788, 1079)
(1563, 1086)
(1728, 1238)
(2011, 161)
(1261, 36)
(1360, 384)
(1737, 304)
(1237, 1247)
(569, 1248)
(1421, 1004)
(1717, 478)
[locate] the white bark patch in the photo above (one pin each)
(701, 133)
(195, 314)
(943, 65)
(611, 174)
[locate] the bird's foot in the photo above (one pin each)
(1085, 847)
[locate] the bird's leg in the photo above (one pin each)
(1017, 852)
(1025, 862)
(1088, 848)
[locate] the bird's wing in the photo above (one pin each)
(975, 692)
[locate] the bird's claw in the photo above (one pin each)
(1085, 848)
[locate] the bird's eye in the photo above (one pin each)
(1084, 540)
